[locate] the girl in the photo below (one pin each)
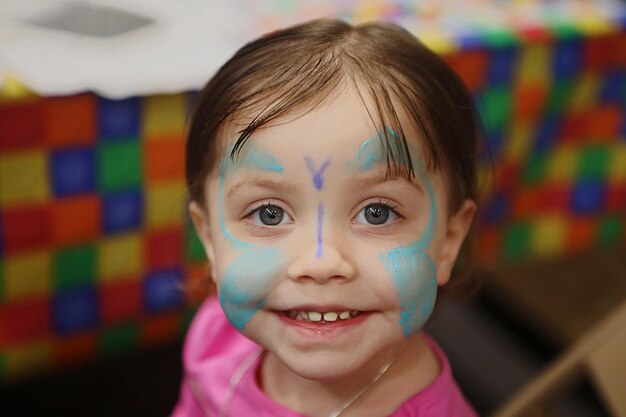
(331, 170)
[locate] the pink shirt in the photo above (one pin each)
(214, 352)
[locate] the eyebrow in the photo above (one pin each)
(372, 180)
(260, 181)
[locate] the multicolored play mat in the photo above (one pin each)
(96, 252)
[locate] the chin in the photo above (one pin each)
(322, 367)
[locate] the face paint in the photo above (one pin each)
(318, 180)
(414, 275)
(245, 283)
(411, 269)
(372, 153)
(320, 222)
(246, 280)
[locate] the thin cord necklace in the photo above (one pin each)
(249, 360)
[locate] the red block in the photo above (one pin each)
(554, 198)
(26, 228)
(21, 124)
(529, 101)
(580, 235)
(489, 243)
(616, 197)
(70, 120)
(603, 52)
(120, 301)
(165, 159)
(471, 66)
(534, 34)
(164, 248)
(525, 204)
(158, 329)
(198, 284)
(24, 321)
(75, 349)
(603, 124)
(75, 220)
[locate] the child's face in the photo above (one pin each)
(303, 230)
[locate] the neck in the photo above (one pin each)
(413, 368)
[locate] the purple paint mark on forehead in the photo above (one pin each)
(318, 179)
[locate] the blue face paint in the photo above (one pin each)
(372, 153)
(318, 180)
(414, 274)
(320, 222)
(245, 282)
(411, 269)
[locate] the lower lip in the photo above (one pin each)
(324, 328)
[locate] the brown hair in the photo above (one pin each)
(295, 69)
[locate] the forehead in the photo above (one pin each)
(338, 127)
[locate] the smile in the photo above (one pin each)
(319, 317)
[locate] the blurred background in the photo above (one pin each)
(100, 270)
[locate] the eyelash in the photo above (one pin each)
(382, 202)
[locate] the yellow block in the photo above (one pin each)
(23, 177)
(519, 142)
(439, 41)
(548, 235)
(563, 164)
(27, 359)
(165, 203)
(585, 92)
(27, 275)
(594, 26)
(120, 257)
(617, 170)
(12, 89)
(535, 64)
(164, 115)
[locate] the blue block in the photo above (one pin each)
(122, 211)
(501, 66)
(75, 310)
(613, 88)
(546, 134)
(588, 197)
(162, 290)
(119, 119)
(73, 171)
(496, 210)
(568, 58)
(469, 41)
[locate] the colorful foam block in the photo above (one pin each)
(120, 301)
(162, 290)
(27, 275)
(118, 119)
(75, 310)
(74, 266)
(23, 177)
(119, 166)
(122, 211)
(26, 227)
(69, 120)
(21, 125)
(72, 171)
(120, 256)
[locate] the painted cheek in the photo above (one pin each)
(245, 284)
(414, 276)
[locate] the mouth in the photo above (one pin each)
(322, 317)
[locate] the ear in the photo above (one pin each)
(457, 227)
(200, 219)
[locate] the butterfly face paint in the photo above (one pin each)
(411, 269)
(245, 281)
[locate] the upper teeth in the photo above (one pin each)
(316, 316)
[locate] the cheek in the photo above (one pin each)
(413, 274)
(245, 282)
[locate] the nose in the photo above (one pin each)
(323, 265)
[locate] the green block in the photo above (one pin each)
(611, 231)
(563, 31)
(535, 169)
(119, 165)
(74, 266)
(560, 97)
(186, 317)
(516, 242)
(119, 338)
(593, 163)
(500, 38)
(193, 247)
(497, 108)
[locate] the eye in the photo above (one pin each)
(269, 215)
(376, 214)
